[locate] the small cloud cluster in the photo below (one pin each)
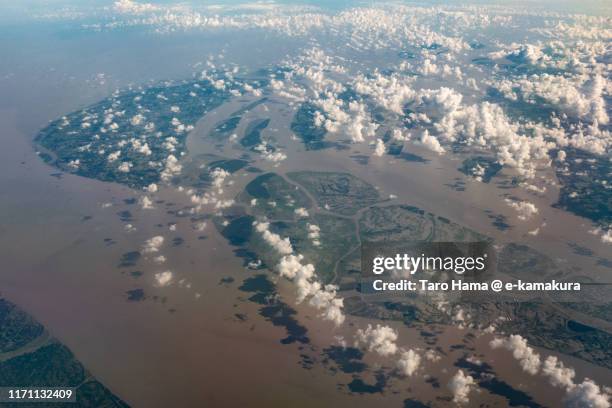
(280, 245)
(301, 212)
(172, 168)
(132, 7)
(164, 278)
(314, 234)
(432, 143)
(525, 209)
(604, 234)
(461, 385)
(146, 203)
(292, 266)
(379, 149)
(585, 394)
(559, 375)
(270, 153)
(218, 180)
(528, 359)
(409, 362)
(153, 245)
(379, 339)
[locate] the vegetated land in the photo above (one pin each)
(196, 170)
(336, 234)
(30, 357)
(586, 186)
(577, 329)
(565, 327)
(341, 193)
(225, 128)
(303, 126)
(127, 137)
(275, 197)
(252, 133)
(484, 167)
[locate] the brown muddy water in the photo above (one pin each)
(179, 349)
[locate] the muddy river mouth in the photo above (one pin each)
(60, 245)
(174, 348)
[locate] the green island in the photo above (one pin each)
(272, 196)
(304, 127)
(357, 215)
(586, 186)
(225, 128)
(128, 137)
(341, 193)
(484, 167)
(252, 134)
